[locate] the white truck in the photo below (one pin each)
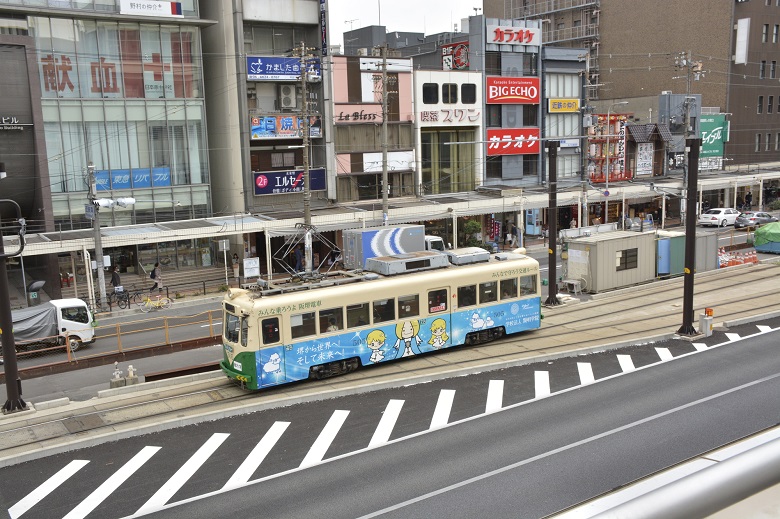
(371, 242)
(57, 322)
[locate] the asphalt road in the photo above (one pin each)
(446, 457)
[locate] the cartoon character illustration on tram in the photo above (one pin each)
(439, 335)
(408, 337)
(375, 341)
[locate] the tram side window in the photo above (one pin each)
(508, 288)
(302, 325)
(270, 331)
(357, 315)
(408, 306)
(331, 320)
(244, 331)
(232, 323)
(527, 285)
(437, 301)
(384, 310)
(467, 296)
(488, 292)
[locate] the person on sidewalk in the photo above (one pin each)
(748, 201)
(236, 268)
(115, 280)
(156, 275)
(514, 236)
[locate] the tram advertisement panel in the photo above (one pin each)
(386, 342)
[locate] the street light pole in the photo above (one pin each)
(98, 238)
(305, 115)
(385, 180)
(606, 188)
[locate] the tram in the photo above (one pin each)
(399, 306)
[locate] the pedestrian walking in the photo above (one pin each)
(236, 267)
(514, 235)
(156, 275)
(298, 258)
(115, 280)
(748, 200)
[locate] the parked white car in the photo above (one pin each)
(718, 217)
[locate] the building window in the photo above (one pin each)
(430, 93)
(762, 70)
(626, 259)
(283, 160)
(775, 33)
(772, 69)
(760, 108)
(449, 93)
(758, 142)
(765, 33)
(561, 26)
(577, 23)
(768, 143)
(468, 93)
(769, 101)
(777, 142)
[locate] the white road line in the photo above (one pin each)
(102, 492)
(46, 488)
(542, 383)
(664, 353)
(626, 363)
(174, 484)
(386, 424)
(586, 373)
(700, 346)
(256, 457)
(733, 337)
(495, 396)
(441, 415)
(764, 329)
(323, 441)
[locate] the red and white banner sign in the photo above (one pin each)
(508, 35)
(512, 90)
(512, 141)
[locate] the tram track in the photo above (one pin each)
(567, 329)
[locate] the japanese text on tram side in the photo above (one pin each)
(319, 353)
(288, 308)
(514, 272)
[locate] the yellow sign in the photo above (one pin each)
(557, 106)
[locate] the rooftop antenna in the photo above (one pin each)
(350, 22)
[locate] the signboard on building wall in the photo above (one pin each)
(150, 8)
(357, 113)
(562, 106)
(644, 158)
(278, 68)
(106, 180)
(455, 56)
(323, 28)
(278, 182)
(512, 141)
(714, 133)
(283, 127)
(512, 90)
(451, 116)
(508, 35)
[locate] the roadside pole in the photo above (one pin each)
(690, 237)
(552, 223)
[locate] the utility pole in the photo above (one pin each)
(304, 54)
(13, 384)
(385, 181)
(552, 223)
(98, 238)
(690, 240)
(693, 70)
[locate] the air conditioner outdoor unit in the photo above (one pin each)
(363, 51)
(288, 97)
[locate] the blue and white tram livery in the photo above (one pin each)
(294, 331)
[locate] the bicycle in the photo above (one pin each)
(160, 302)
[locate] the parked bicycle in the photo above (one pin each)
(150, 304)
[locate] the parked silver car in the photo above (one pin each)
(718, 217)
(753, 219)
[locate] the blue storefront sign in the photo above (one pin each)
(275, 182)
(278, 68)
(126, 178)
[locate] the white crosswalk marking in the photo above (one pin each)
(733, 336)
(256, 457)
(626, 363)
(45, 488)
(386, 424)
(700, 346)
(586, 373)
(542, 383)
(763, 328)
(664, 353)
(174, 484)
(495, 396)
(100, 494)
(323, 441)
(441, 415)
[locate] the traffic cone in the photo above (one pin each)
(754, 255)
